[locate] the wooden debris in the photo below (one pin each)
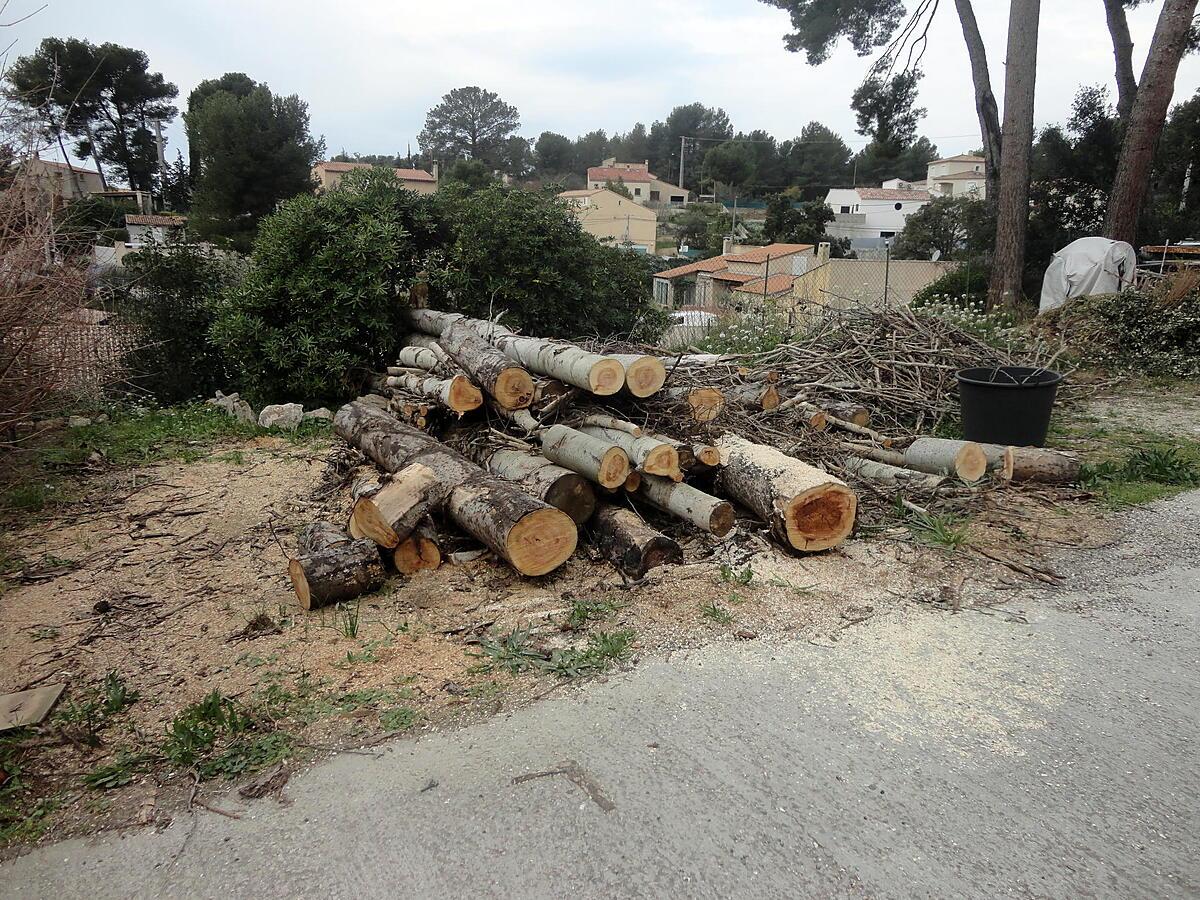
(333, 567)
(629, 543)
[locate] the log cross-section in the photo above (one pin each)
(532, 536)
(332, 567)
(629, 543)
(390, 514)
(806, 508)
(489, 367)
(602, 462)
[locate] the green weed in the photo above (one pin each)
(730, 575)
(117, 773)
(1144, 475)
(513, 653)
(584, 610)
(937, 529)
(401, 718)
(116, 694)
(714, 612)
(348, 619)
(248, 753)
(194, 732)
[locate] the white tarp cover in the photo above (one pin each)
(1091, 265)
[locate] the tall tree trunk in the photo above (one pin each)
(1012, 203)
(1146, 118)
(1118, 27)
(985, 101)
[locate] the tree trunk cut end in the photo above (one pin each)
(722, 520)
(820, 518)
(970, 463)
(645, 376)
(572, 494)
(300, 584)
(606, 377)
(542, 541)
(464, 396)
(706, 404)
(514, 388)
(614, 468)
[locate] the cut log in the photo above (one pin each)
(430, 343)
(708, 513)
(633, 481)
(602, 462)
(815, 417)
(561, 488)
(629, 543)
(390, 514)
(999, 460)
(649, 455)
(805, 507)
(893, 475)
(419, 551)
(601, 375)
(704, 404)
(644, 375)
(456, 393)
(532, 536)
(850, 412)
(1048, 466)
(489, 367)
(707, 455)
(754, 397)
(614, 423)
(937, 456)
(332, 567)
(416, 358)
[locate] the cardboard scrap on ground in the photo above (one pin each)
(28, 707)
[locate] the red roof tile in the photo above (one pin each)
(774, 251)
(733, 277)
(776, 284)
(167, 221)
(712, 264)
(612, 173)
(402, 174)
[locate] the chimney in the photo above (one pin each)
(434, 173)
(727, 246)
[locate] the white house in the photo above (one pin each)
(871, 216)
(642, 184)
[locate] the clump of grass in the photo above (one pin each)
(516, 653)
(118, 773)
(714, 612)
(730, 575)
(401, 718)
(348, 619)
(512, 653)
(938, 529)
(584, 610)
(195, 731)
(116, 694)
(1144, 475)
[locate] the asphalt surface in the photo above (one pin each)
(1045, 749)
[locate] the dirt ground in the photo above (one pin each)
(174, 576)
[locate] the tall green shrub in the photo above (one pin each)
(321, 305)
(524, 253)
(169, 292)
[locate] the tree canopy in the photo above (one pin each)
(469, 121)
(251, 149)
(103, 97)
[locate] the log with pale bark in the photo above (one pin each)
(703, 404)
(456, 393)
(936, 456)
(805, 507)
(853, 413)
(605, 421)
(629, 543)
(754, 397)
(490, 368)
(1046, 466)
(333, 567)
(532, 536)
(644, 375)
(602, 462)
(553, 484)
(415, 358)
(648, 454)
(692, 505)
(388, 515)
(601, 375)
(893, 475)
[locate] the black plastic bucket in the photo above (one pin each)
(1007, 404)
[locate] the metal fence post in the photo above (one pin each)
(887, 271)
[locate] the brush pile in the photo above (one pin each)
(520, 442)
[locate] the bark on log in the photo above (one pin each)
(850, 412)
(456, 393)
(533, 537)
(937, 456)
(390, 514)
(999, 460)
(648, 454)
(332, 567)
(602, 462)
(1047, 466)
(893, 475)
(629, 543)
(755, 397)
(601, 375)
(806, 508)
(489, 367)
(419, 551)
(416, 358)
(522, 418)
(708, 513)
(815, 417)
(561, 488)
(704, 404)
(644, 375)
(614, 423)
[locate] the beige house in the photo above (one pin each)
(638, 180)
(735, 279)
(328, 175)
(614, 219)
(60, 181)
(954, 176)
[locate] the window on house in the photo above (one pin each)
(677, 198)
(887, 234)
(845, 209)
(899, 206)
(637, 192)
(654, 196)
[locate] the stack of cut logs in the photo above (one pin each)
(538, 438)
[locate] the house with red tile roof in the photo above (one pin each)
(643, 186)
(329, 175)
(729, 281)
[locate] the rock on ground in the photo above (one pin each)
(284, 416)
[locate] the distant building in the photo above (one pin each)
(742, 277)
(643, 186)
(60, 181)
(155, 229)
(610, 217)
(328, 175)
(870, 217)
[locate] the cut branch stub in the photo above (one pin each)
(629, 543)
(644, 375)
(807, 508)
(704, 404)
(489, 367)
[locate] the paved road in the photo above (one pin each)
(1048, 750)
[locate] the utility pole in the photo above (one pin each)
(682, 139)
(162, 157)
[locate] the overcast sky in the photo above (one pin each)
(370, 69)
